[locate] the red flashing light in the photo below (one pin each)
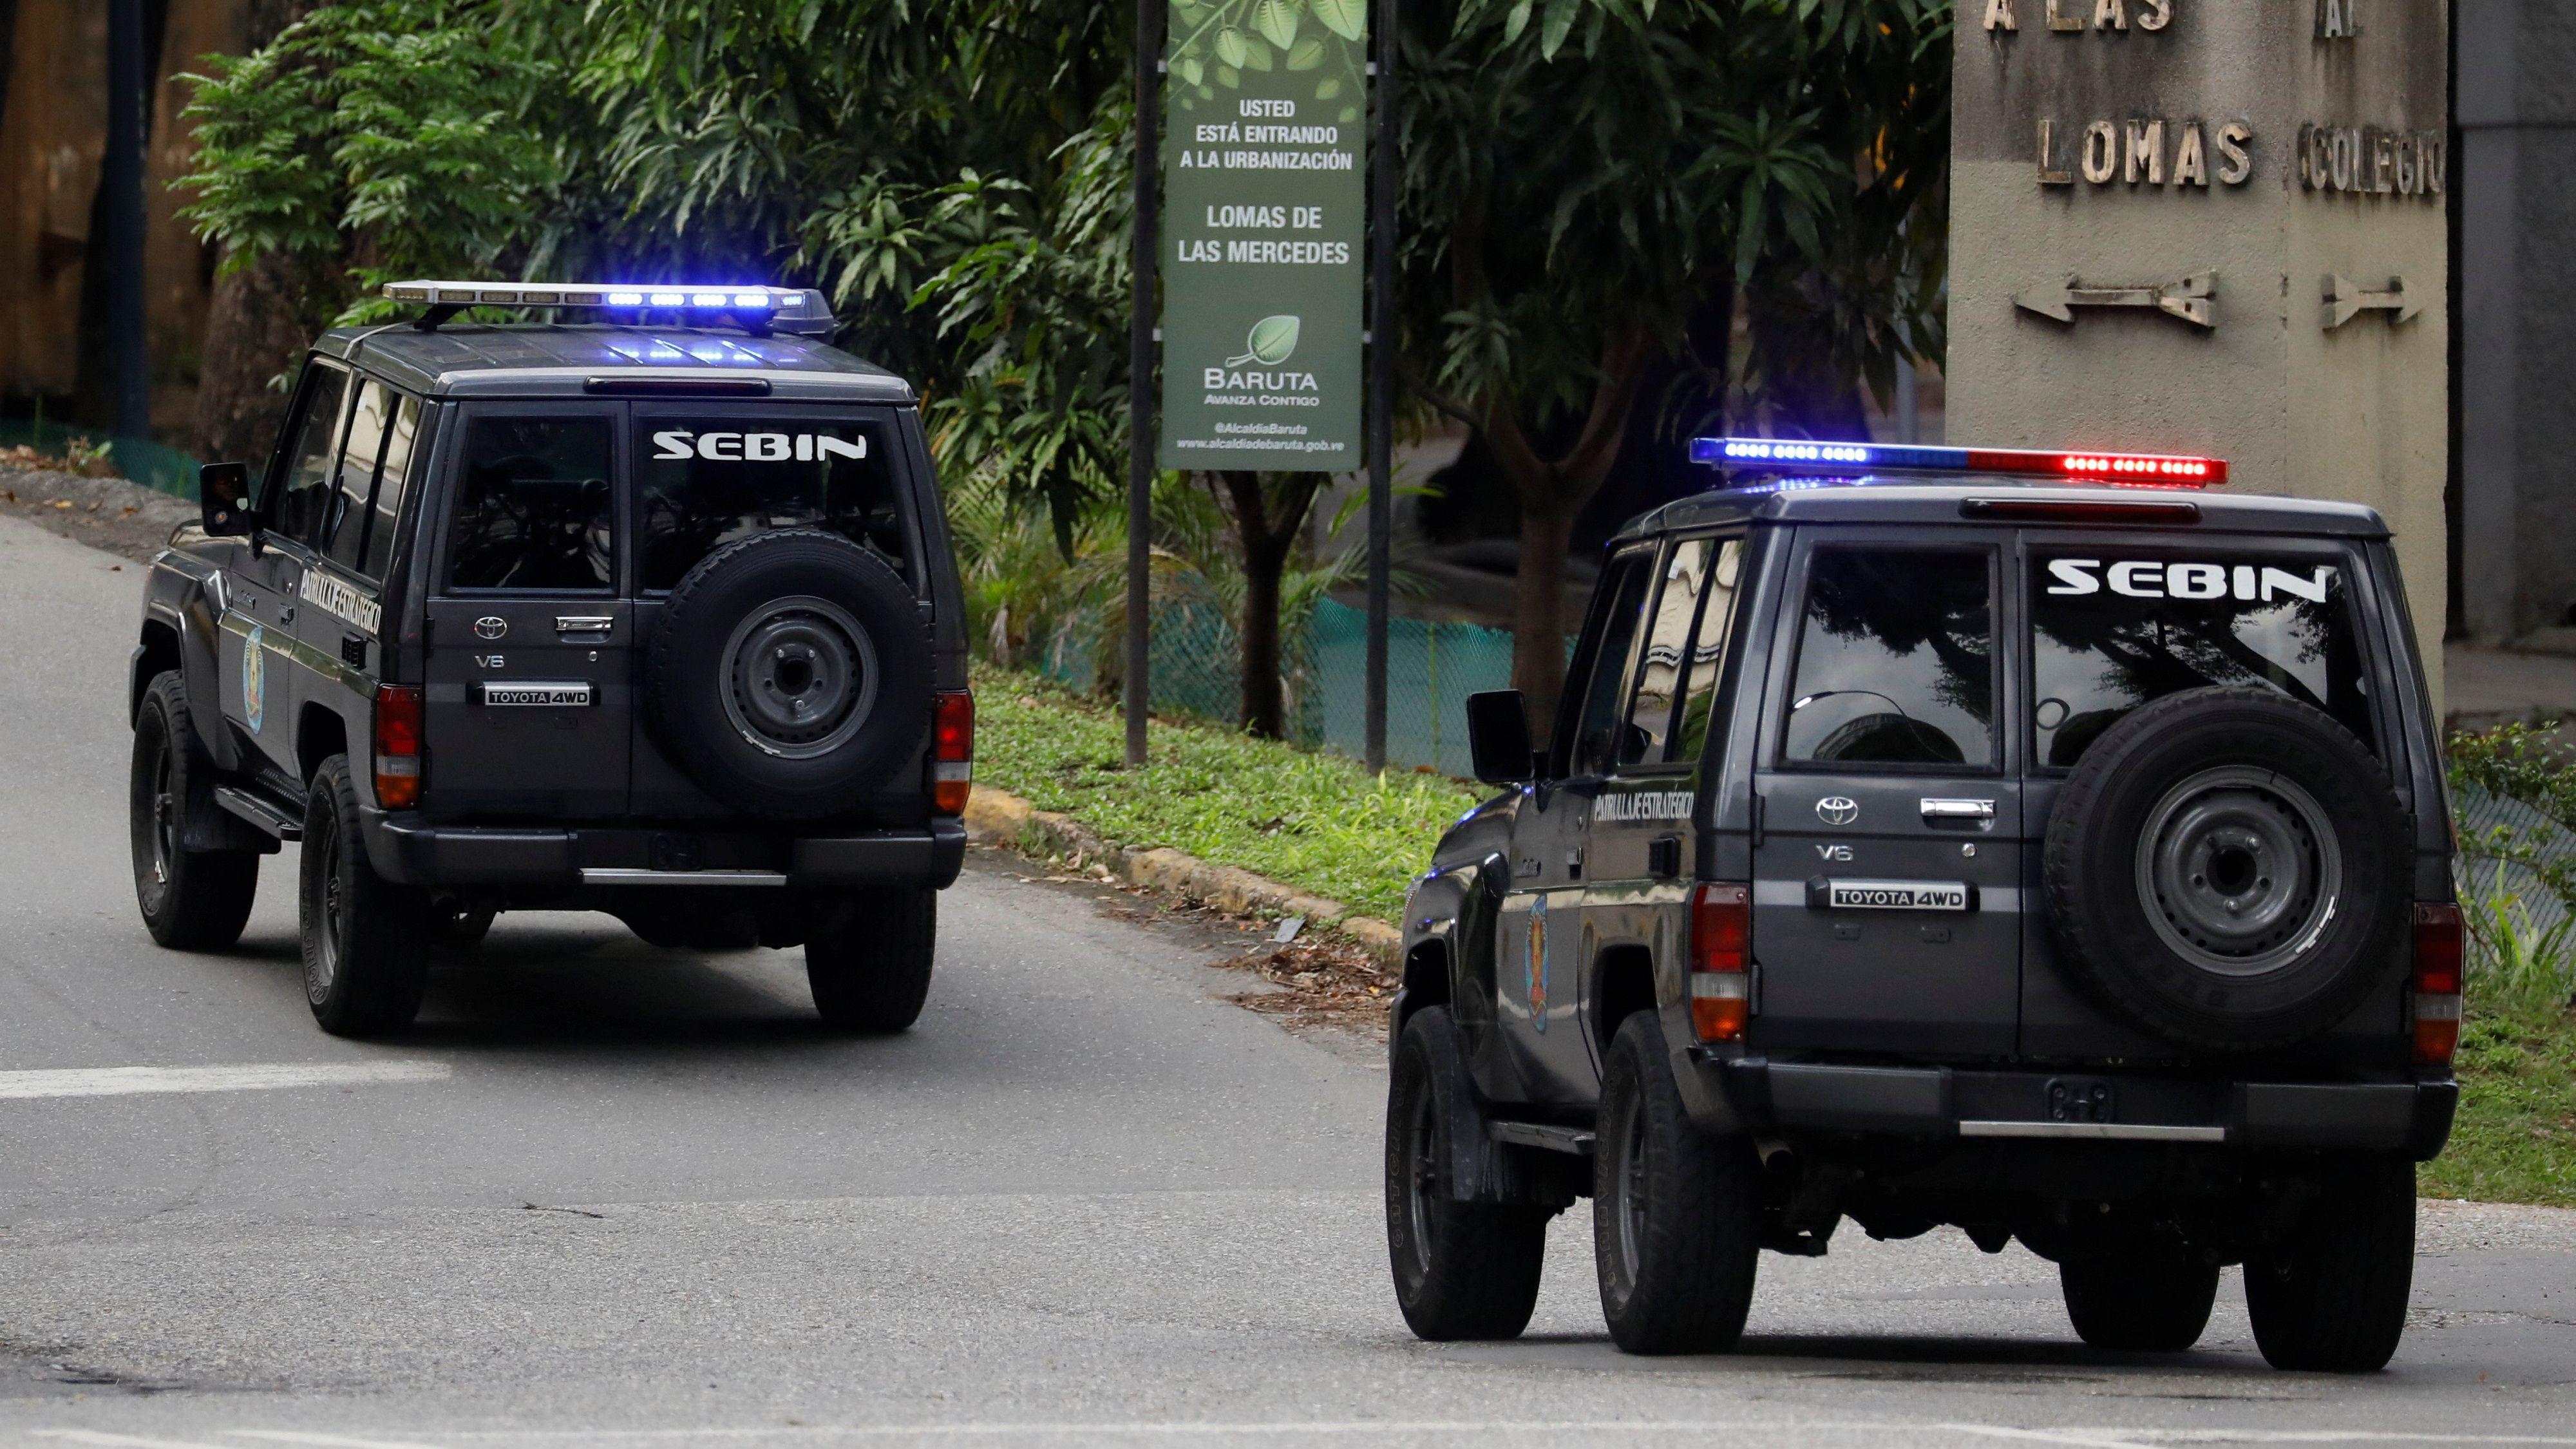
(952, 752)
(2137, 470)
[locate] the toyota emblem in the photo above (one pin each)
(491, 626)
(1838, 810)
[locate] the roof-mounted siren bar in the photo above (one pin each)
(798, 310)
(1799, 455)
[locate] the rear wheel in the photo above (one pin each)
(365, 938)
(1676, 1219)
(2152, 1297)
(192, 900)
(2332, 1299)
(1463, 1270)
(872, 972)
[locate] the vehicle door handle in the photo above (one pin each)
(1958, 809)
(1664, 857)
(286, 613)
(584, 623)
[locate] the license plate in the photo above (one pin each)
(1891, 895)
(538, 694)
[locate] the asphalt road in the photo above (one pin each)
(607, 1195)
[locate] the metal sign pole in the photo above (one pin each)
(1381, 384)
(1140, 371)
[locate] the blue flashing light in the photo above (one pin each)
(706, 299)
(670, 299)
(625, 299)
(752, 302)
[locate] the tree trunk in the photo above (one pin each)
(1538, 614)
(1265, 528)
(255, 323)
(112, 376)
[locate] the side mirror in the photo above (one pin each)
(223, 494)
(1498, 737)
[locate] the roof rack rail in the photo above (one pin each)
(800, 311)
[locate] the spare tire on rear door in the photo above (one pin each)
(791, 674)
(2229, 869)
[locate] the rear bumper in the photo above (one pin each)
(405, 848)
(1794, 1098)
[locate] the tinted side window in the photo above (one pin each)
(1598, 728)
(1895, 659)
(533, 507)
(1708, 653)
(1668, 636)
(702, 482)
(344, 521)
(297, 510)
(2109, 633)
(391, 483)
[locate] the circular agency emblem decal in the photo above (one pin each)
(254, 677)
(491, 626)
(1838, 810)
(1538, 964)
(1272, 341)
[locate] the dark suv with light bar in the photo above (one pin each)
(1941, 836)
(652, 615)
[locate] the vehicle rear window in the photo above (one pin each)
(702, 482)
(534, 510)
(1895, 659)
(2113, 629)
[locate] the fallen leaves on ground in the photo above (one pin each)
(1327, 981)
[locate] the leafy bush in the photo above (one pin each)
(2518, 876)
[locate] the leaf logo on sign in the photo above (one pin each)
(1271, 342)
(1230, 47)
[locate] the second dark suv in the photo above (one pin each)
(653, 615)
(1941, 837)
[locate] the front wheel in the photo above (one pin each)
(365, 939)
(2332, 1299)
(2152, 1297)
(871, 973)
(192, 900)
(1463, 1270)
(1676, 1215)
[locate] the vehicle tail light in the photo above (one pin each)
(397, 746)
(952, 752)
(1721, 953)
(2437, 982)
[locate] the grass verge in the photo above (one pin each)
(1317, 822)
(2515, 1140)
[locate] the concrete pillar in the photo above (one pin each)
(2517, 129)
(2249, 162)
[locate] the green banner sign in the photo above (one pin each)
(1263, 255)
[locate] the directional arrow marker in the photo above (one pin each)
(2346, 300)
(2191, 299)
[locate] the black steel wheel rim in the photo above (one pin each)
(1628, 1182)
(160, 827)
(333, 910)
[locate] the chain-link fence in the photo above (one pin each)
(1431, 669)
(2485, 875)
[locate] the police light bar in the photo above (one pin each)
(1798, 455)
(784, 309)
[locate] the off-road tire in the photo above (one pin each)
(2332, 1297)
(2154, 1297)
(2130, 920)
(873, 973)
(1463, 1270)
(365, 939)
(192, 900)
(1676, 1213)
(866, 660)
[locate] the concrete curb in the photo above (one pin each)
(997, 817)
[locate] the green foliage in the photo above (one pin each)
(2511, 959)
(1623, 163)
(1314, 821)
(2515, 1137)
(377, 139)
